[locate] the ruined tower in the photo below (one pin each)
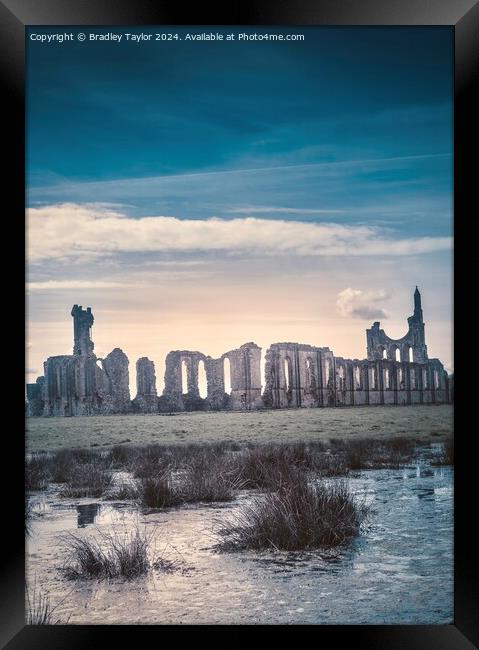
(411, 347)
(416, 328)
(82, 323)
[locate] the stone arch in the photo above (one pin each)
(341, 377)
(372, 378)
(405, 352)
(328, 371)
(357, 377)
(310, 374)
(387, 378)
(202, 382)
(288, 373)
(227, 375)
(184, 375)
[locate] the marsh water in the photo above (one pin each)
(398, 571)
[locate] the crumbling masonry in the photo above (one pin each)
(297, 375)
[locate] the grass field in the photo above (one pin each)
(427, 423)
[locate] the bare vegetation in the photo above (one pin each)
(88, 479)
(112, 555)
(298, 515)
(168, 475)
(372, 453)
(37, 474)
(446, 456)
(38, 610)
(209, 479)
(123, 492)
(61, 465)
(158, 491)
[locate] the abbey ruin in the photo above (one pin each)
(396, 372)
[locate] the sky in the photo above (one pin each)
(198, 195)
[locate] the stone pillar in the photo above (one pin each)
(116, 367)
(245, 377)
(146, 400)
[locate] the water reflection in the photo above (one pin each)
(87, 514)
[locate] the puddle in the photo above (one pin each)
(399, 571)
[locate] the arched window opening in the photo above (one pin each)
(341, 378)
(184, 377)
(386, 379)
(397, 354)
(385, 356)
(327, 369)
(410, 355)
(357, 376)
(227, 375)
(401, 378)
(287, 372)
(436, 379)
(202, 383)
(373, 377)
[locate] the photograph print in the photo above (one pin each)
(240, 375)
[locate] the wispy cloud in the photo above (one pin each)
(252, 209)
(75, 284)
(354, 303)
(72, 231)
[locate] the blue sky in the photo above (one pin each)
(346, 131)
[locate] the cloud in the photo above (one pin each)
(355, 303)
(75, 284)
(70, 231)
(272, 209)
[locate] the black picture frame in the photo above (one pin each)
(463, 17)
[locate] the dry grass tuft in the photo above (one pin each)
(299, 515)
(111, 556)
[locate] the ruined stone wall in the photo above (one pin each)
(245, 364)
(70, 386)
(305, 376)
(296, 376)
(386, 382)
(215, 377)
(146, 400)
(36, 398)
(177, 397)
(77, 385)
(115, 366)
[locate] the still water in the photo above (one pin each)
(398, 571)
